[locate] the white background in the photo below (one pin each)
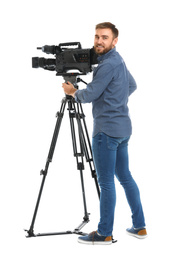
(29, 100)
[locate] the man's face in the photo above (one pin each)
(104, 41)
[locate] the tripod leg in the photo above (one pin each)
(49, 159)
(87, 146)
(79, 158)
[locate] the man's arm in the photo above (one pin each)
(95, 88)
(132, 84)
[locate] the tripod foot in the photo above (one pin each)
(113, 240)
(30, 233)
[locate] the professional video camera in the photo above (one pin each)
(69, 56)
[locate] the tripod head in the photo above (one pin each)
(74, 79)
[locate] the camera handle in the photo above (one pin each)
(75, 112)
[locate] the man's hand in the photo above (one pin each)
(69, 89)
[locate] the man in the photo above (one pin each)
(109, 91)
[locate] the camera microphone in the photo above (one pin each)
(48, 49)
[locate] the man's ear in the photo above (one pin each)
(115, 41)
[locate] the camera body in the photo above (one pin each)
(69, 60)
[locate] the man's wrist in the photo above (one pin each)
(74, 91)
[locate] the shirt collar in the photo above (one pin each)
(106, 55)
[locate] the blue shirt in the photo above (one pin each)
(109, 91)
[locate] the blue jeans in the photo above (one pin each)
(111, 159)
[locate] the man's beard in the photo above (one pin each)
(102, 50)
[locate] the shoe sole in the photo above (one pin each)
(135, 235)
(94, 242)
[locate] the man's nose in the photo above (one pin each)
(99, 41)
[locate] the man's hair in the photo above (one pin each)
(109, 26)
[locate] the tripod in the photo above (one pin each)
(75, 113)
